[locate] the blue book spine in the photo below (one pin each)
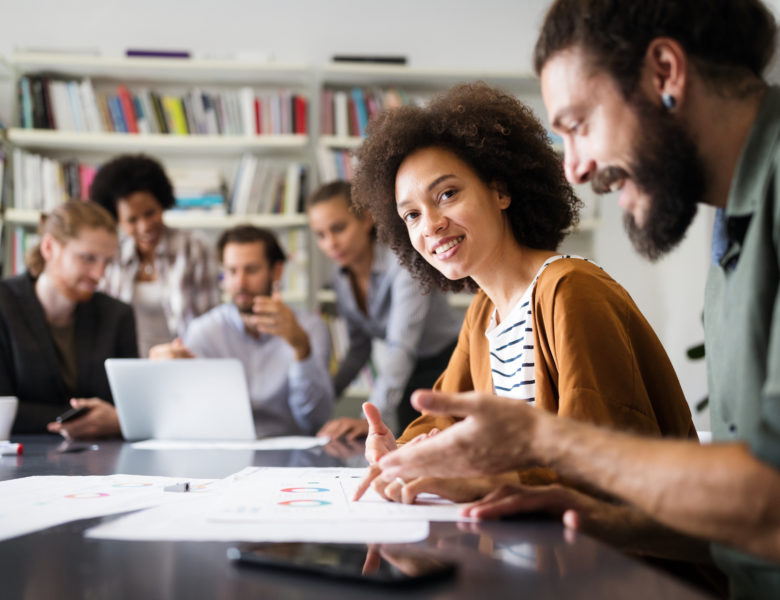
(139, 109)
(206, 200)
(117, 118)
(360, 108)
(26, 97)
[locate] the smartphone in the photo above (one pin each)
(72, 413)
(388, 564)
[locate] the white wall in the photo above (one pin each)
(490, 34)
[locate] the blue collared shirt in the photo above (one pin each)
(411, 323)
(289, 397)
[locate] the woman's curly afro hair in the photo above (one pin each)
(499, 138)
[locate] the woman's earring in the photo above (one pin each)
(668, 101)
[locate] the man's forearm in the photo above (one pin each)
(718, 492)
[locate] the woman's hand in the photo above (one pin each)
(380, 441)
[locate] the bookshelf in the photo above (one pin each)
(272, 132)
(224, 150)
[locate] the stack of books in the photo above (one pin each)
(72, 105)
(198, 189)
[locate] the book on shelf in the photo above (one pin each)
(77, 105)
(41, 183)
(346, 113)
(334, 163)
(22, 241)
(267, 187)
(294, 241)
(3, 194)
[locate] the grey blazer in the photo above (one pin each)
(105, 328)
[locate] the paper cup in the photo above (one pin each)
(8, 406)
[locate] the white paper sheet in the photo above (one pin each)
(286, 504)
(28, 504)
(290, 442)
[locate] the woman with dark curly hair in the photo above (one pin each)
(469, 194)
(169, 276)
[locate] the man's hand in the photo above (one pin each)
(346, 427)
(176, 349)
(495, 436)
(274, 317)
(100, 421)
(621, 525)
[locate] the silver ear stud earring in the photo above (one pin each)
(668, 101)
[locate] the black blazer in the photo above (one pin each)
(105, 328)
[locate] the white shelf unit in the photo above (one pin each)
(161, 70)
(182, 219)
(222, 152)
(41, 140)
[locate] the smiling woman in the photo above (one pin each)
(469, 193)
(170, 277)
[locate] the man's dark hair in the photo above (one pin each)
(728, 41)
(498, 137)
(249, 234)
(127, 174)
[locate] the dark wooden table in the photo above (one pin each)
(527, 558)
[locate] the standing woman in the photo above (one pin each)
(169, 276)
(378, 299)
(56, 329)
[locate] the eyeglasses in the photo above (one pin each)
(87, 259)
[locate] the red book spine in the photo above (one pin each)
(258, 114)
(354, 125)
(301, 126)
(127, 108)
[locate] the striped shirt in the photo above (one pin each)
(512, 346)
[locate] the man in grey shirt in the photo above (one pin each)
(285, 352)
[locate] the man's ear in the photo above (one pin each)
(666, 72)
(277, 271)
(49, 247)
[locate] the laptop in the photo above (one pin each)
(184, 399)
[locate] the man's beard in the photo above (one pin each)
(667, 167)
(246, 309)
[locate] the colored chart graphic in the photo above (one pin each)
(134, 484)
(86, 495)
(304, 490)
(303, 503)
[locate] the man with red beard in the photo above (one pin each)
(56, 330)
(663, 101)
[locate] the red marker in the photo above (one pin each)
(10, 449)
